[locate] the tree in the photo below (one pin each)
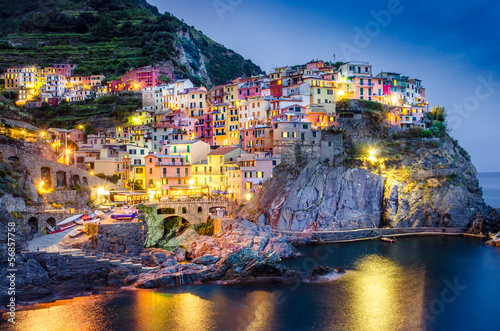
(437, 113)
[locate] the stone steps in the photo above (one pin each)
(79, 260)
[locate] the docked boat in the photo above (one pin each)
(123, 216)
(75, 233)
(69, 220)
(389, 240)
(62, 228)
(99, 213)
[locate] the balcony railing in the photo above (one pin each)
(172, 164)
(178, 175)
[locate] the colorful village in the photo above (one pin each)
(188, 141)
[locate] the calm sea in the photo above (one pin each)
(431, 283)
(490, 182)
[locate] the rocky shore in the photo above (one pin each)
(243, 252)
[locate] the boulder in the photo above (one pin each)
(180, 254)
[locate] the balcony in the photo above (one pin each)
(172, 164)
(167, 175)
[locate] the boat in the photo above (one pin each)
(98, 213)
(68, 220)
(76, 233)
(123, 216)
(63, 228)
(389, 240)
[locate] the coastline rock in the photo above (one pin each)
(180, 254)
(239, 234)
(244, 265)
(434, 185)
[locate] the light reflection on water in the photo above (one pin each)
(383, 296)
(82, 313)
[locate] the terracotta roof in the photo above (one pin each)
(222, 150)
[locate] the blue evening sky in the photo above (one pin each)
(454, 47)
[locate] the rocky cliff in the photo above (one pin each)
(405, 182)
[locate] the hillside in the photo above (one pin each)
(110, 37)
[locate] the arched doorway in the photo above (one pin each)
(61, 178)
(76, 180)
(85, 181)
(184, 210)
(33, 225)
(46, 173)
(52, 222)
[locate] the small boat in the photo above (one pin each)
(389, 240)
(99, 213)
(123, 216)
(76, 233)
(71, 219)
(63, 228)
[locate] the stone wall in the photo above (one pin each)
(120, 239)
(53, 174)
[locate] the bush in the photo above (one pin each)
(438, 129)
(206, 229)
(91, 229)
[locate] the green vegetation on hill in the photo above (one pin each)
(110, 37)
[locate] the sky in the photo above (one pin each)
(453, 47)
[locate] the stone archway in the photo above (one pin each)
(33, 225)
(46, 176)
(52, 222)
(85, 181)
(76, 180)
(61, 179)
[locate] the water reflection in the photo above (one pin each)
(84, 313)
(381, 295)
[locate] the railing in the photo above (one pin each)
(213, 172)
(172, 164)
(174, 175)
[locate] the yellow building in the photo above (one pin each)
(214, 172)
(231, 92)
(322, 90)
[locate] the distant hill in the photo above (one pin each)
(110, 37)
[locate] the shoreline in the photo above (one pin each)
(345, 236)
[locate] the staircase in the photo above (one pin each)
(77, 259)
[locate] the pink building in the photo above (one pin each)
(62, 69)
(138, 79)
(167, 173)
(249, 89)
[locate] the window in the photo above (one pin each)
(139, 170)
(319, 91)
(150, 171)
(305, 126)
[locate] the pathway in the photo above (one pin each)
(49, 242)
